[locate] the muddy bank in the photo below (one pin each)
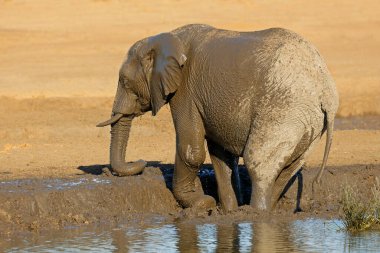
(35, 204)
(38, 204)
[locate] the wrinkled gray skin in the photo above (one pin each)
(266, 96)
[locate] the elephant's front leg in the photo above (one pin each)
(226, 171)
(190, 156)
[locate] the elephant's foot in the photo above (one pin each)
(262, 193)
(261, 203)
(229, 203)
(190, 195)
(196, 200)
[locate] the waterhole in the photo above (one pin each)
(312, 235)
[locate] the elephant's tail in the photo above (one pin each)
(329, 119)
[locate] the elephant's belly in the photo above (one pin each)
(227, 118)
(232, 135)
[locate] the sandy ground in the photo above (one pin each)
(75, 48)
(36, 140)
(59, 63)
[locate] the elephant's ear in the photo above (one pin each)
(167, 53)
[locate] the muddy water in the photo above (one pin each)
(312, 235)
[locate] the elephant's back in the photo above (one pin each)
(291, 70)
(238, 78)
(274, 66)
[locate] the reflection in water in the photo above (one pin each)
(155, 239)
(245, 237)
(272, 238)
(326, 237)
(206, 235)
(299, 236)
(227, 238)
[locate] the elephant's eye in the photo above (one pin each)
(124, 82)
(128, 89)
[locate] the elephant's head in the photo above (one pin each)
(151, 72)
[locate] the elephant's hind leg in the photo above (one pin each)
(265, 155)
(288, 172)
(227, 176)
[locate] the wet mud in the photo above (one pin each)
(97, 197)
(34, 204)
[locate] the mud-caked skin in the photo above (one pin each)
(266, 96)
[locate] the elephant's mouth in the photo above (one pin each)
(112, 120)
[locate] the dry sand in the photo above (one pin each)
(74, 48)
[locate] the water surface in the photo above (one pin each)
(313, 235)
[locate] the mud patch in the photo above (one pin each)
(41, 203)
(35, 204)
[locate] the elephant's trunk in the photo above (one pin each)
(119, 140)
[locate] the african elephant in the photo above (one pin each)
(266, 96)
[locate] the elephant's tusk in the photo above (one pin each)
(112, 120)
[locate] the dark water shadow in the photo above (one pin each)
(296, 176)
(207, 177)
(95, 169)
(209, 184)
